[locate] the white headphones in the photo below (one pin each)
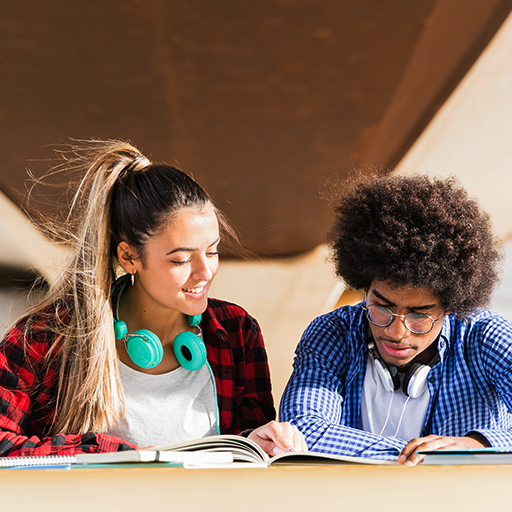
(414, 383)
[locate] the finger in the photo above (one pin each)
(423, 444)
(272, 438)
(414, 445)
(284, 436)
(414, 459)
(266, 444)
(299, 441)
(278, 438)
(294, 437)
(409, 449)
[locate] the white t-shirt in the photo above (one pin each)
(388, 413)
(166, 409)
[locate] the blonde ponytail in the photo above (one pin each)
(90, 396)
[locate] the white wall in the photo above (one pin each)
(471, 135)
(13, 302)
(284, 296)
(502, 299)
(22, 245)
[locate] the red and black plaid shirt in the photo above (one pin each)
(235, 353)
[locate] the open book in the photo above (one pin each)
(247, 452)
(491, 455)
(226, 451)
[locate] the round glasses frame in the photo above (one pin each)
(392, 316)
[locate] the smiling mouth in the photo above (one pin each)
(199, 289)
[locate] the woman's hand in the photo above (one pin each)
(276, 438)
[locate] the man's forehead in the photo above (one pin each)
(404, 295)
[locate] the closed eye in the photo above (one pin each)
(179, 263)
(387, 306)
(414, 314)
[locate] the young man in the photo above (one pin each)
(417, 365)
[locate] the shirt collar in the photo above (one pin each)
(210, 323)
(444, 337)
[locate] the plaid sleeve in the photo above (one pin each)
(26, 390)
(315, 396)
(237, 355)
(257, 405)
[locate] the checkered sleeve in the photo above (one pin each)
(316, 395)
(491, 346)
(26, 383)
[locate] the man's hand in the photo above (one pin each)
(276, 438)
(409, 457)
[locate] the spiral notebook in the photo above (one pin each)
(50, 460)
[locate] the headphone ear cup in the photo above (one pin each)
(189, 350)
(387, 380)
(144, 348)
(415, 380)
(395, 378)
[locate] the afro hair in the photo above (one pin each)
(415, 231)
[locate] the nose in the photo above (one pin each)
(396, 330)
(203, 270)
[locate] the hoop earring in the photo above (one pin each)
(133, 278)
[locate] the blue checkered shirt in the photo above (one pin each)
(470, 384)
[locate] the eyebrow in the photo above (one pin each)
(190, 249)
(387, 301)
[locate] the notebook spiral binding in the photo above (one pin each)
(48, 460)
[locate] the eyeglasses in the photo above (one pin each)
(417, 323)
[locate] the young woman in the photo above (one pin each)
(108, 363)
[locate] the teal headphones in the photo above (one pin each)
(145, 348)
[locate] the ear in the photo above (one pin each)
(126, 257)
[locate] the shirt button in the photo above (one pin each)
(432, 380)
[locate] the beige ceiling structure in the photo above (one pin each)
(262, 102)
